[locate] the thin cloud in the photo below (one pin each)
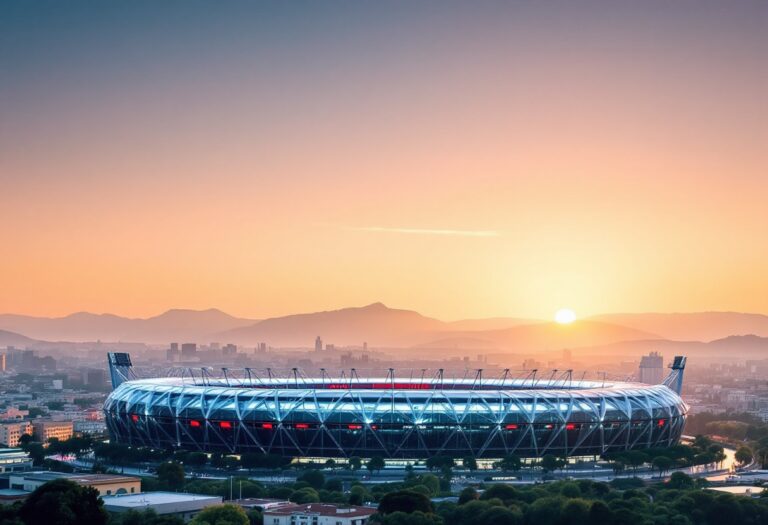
(425, 231)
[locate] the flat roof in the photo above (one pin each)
(94, 479)
(145, 499)
(322, 509)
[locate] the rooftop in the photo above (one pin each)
(87, 479)
(146, 499)
(321, 509)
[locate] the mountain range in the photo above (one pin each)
(381, 326)
(173, 325)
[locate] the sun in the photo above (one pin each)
(565, 316)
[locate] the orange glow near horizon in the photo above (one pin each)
(613, 164)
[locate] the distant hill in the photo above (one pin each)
(13, 339)
(543, 337)
(376, 324)
(173, 325)
(382, 326)
(735, 346)
(492, 323)
(701, 326)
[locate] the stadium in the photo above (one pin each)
(320, 417)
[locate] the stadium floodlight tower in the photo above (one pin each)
(410, 418)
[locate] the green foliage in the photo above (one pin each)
(171, 475)
(62, 502)
(375, 464)
(314, 478)
(743, 455)
(439, 462)
(583, 502)
(405, 501)
(221, 515)
(510, 462)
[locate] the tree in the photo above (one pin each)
(466, 495)
(510, 462)
(305, 495)
(500, 491)
(501, 516)
(255, 517)
(171, 475)
(355, 463)
(63, 502)
(358, 495)
(439, 462)
(469, 463)
(196, 459)
(226, 514)
(550, 462)
(405, 501)
(662, 464)
(743, 455)
(375, 464)
(314, 478)
(680, 481)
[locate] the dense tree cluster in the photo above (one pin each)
(676, 502)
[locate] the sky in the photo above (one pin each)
(464, 160)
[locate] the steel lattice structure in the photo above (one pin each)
(318, 417)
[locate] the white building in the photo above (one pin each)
(185, 506)
(317, 514)
(651, 369)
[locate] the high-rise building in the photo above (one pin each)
(318, 344)
(229, 349)
(172, 354)
(188, 350)
(651, 369)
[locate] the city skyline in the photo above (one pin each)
(464, 162)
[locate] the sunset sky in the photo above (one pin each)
(463, 160)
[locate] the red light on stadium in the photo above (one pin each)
(662, 422)
(549, 426)
(267, 426)
(134, 418)
(355, 427)
(226, 425)
(570, 426)
(338, 386)
(373, 427)
(194, 423)
(302, 426)
(512, 426)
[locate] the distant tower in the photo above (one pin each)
(651, 369)
(318, 344)
(188, 350)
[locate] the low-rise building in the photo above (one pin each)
(260, 504)
(43, 430)
(106, 484)
(11, 432)
(14, 460)
(318, 514)
(185, 506)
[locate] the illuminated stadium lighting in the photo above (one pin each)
(312, 417)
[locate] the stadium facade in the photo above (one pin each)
(394, 419)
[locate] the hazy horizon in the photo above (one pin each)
(495, 160)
